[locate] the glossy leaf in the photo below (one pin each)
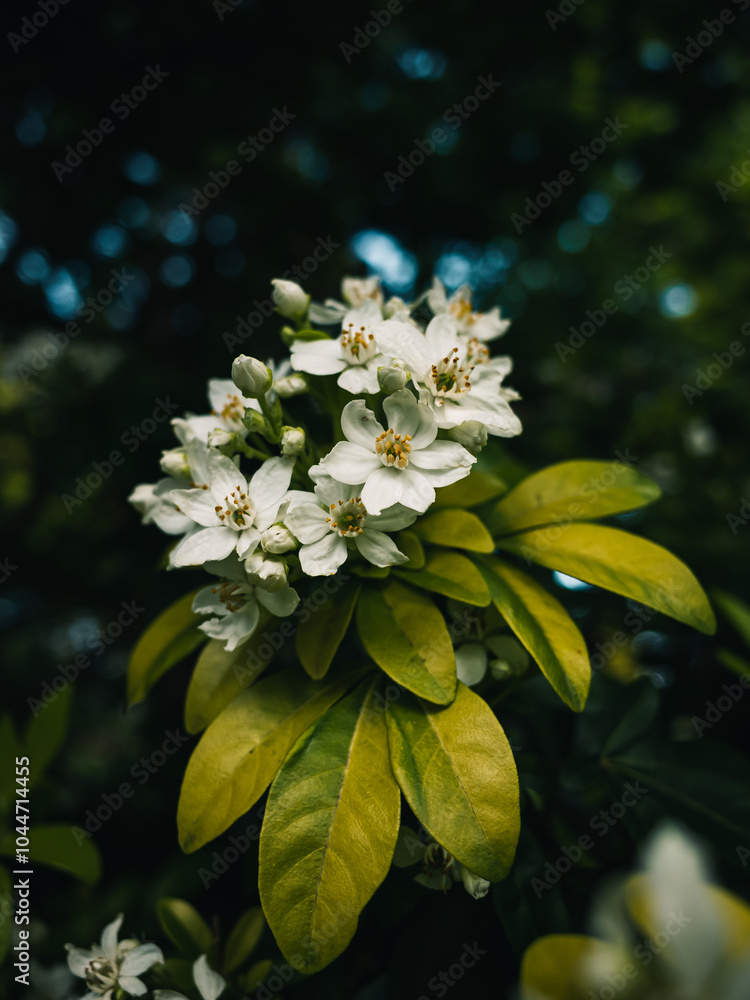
(471, 491)
(621, 562)
(456, 770)
(243, 748)
(244, 938)
(184, 926)
(46, 732)
(578, 491)
(165, 642)
(406, 636)
(450, 574)
(61, 846)
(329, 831)
(458, 529)
(544, 627)
(321, 634)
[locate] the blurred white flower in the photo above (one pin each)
(208, 982)
(110, 966)
(483, 326)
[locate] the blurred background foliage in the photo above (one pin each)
(355, 114)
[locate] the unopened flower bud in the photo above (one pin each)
(290, 385)
(269, 574)
(292, 440)
(218, 438)
(251, 376)
(474, 885)
(291, 300)
(396, 308)
(174, 463)
(277, 539)
(471, 434)
(391, 378)
(355, 291)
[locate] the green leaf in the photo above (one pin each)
(544, 627)
(60, 846)
(456, 770)
(470, 491)
(737, 664)
(257, 974)
(735, 610)
(410, 545)
(621, 562)
(369, 572)
(244, 938)
(243, 748)
(451, 574)
(406, 636)
(321, 634)
(577, 491)
(220, 676)
(458, 529)
(310, 334)
(7, 905)
(46, 732)
(165, 642)
(329, 831)
(554, 966)
(184, 926)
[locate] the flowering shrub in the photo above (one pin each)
(335, 497)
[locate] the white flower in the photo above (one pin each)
(111, 966)
(454, 374)
(355, 292)
(292, 440)
(471, 663)
(233, 603)
(266, 571)
(475, 885)
(291, 300)
(354, 355)
(327, 521)
(483, 326)
(251, 376)
(401, 464)
(153, 500)
(231, 511)
(209, 983)
(290, 385)
(228, 407)
(174, 462)
(472, 434)
(278, 539)
(219, 438)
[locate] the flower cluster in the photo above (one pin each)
(412, 392)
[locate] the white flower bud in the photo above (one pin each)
(269, 574)
(251, 376)
(291, 300)
(277, 539)
(290, 385)
(391, 378)
(355, 291)
(218, 438)
(396, 308)
(174, 463)
(471, 434)
(292, 440)
(474, 885)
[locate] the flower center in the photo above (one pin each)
(477, 353)
(232, 412)
(393, 449)
(239, 511)
(447, 378)
(358, 347)
(101, 976)
(347, 517)
(232, 595)
(461, 308)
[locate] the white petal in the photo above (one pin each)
(224, 476)
(235, 627)
(351, 464)
(442, 455)
(402, 340)
(169, 995)
(141, 959)
(383, 488)
(437, 300)
(248, 540)
(79, 959)
(324, 557)
(318, 357)
(360, 425)
(203, 545)
(488, 326)
(329, 490)
(170, 520)
(379, 549)
(407, 416)
(307, 522)
(360, 378)
(208, 602)
(326, 314)
(441, 336)
(280, 603)
(365, 315)
(270, 482)
(222, 391)
(109, 938)
(443, 477)
(210, 984)
(471, 663)
(393, 519)
(230, 567)
(197, 504)
(417, 491)
(132, 985)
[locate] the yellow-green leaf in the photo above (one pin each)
(621, 562)
(406, 636)
(244, 938)
(572, 491)
(470, 491)
(410, 545)
(544, 627)
(165, 642)
(321, 634)
(557, 966)
(329, 831)
(61, 846)
(184, 926)
(458, 529)
(456, 769)
(736, 611)
(450, 574)
(243, 748)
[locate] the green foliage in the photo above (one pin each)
(450, 574)
(458, 529)
(165, 642)
(219, 676)
(56, 844)
(184, 926)
(244, 939)
(46, 733)
(320, 636)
